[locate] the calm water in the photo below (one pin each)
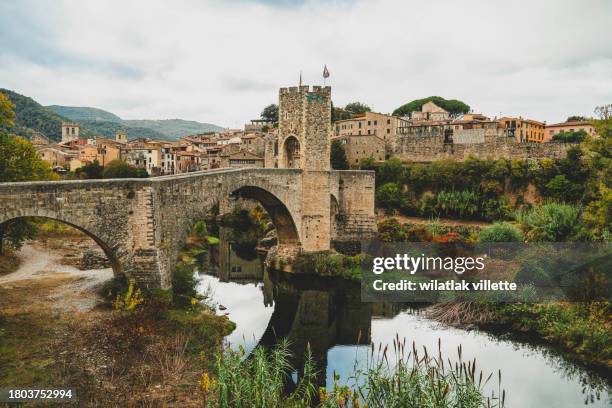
(329, 315)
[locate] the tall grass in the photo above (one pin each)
(410, 379)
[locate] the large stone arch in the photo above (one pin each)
(286, 227)
(105, 243)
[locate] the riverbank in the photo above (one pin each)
(58, 331)
(581, 331)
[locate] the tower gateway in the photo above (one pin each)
(303, 142)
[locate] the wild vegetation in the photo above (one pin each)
(400, 377)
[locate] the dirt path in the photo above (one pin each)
(76, 288)
(419, 220)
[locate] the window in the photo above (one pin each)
(375, 122)
(388, 131)
(388, 121)
(369, 122)
(369, 131)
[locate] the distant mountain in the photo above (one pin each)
(174, 128)
(78, 114)
(109, 129)
(102, 122)
(32, 118)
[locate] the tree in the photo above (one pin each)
(90, 171)
(367, 163)
(356, 108)
(391, 171)
(389, 196)
(604, 112)
(576, 118)
(453, 106)
(120, 169)
(338, 156)
(575, 136)
(7, 112)
(339, 113)
(270, 113)
(19, 161)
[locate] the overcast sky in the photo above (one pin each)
(223, 61)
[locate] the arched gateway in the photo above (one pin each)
(142, 223)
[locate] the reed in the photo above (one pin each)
(401, 376)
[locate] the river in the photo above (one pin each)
(328, 314)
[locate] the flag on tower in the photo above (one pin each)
(325, 72)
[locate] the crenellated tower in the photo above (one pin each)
(304, 128)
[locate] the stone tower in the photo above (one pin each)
(70, 131)
(303, 142)
(304, 128)
(121, 137)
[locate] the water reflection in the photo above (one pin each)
(328, 314)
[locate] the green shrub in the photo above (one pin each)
(500, 232)
(389, 196)
(389, 230)
(551, 222)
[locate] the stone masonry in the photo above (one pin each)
(430, 143)
(141, 224)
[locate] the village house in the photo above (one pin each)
(55, 155)
(107, 150)
(573, 126)
(429, 112)
(358, 147)
(145, 154)
(258, 125)
(371, 123)
(524, 130)
(241, 159)
(253, 143)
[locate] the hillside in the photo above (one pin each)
(78, 114)
(174, 128)
(31, 118)
(101, 121)
(109, 129)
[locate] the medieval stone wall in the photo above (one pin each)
(428, 144)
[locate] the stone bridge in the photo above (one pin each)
(141, 224)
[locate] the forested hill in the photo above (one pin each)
(32, 118)
(78, 114)
(101, 122)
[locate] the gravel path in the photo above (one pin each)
(40, 263)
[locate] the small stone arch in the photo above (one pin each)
(106, 248)
(291, 152)
(282, 219)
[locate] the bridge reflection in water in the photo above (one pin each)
(306, 310)
(328, 314)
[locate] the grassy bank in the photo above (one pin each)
(583, 329)
(329, 263)
(151, 355)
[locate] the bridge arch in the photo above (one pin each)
(102, 243)
(286, 228)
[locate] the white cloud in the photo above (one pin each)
(222, 61)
